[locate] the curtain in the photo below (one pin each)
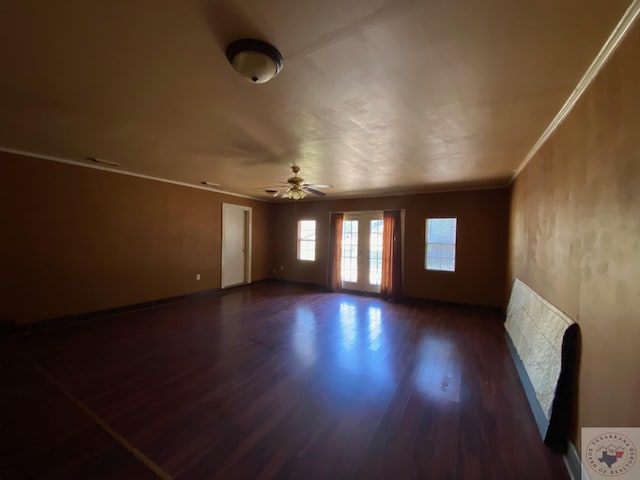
(391, 285)
(335, 251)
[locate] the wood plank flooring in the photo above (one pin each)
(270, 381)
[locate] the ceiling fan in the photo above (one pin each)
(295, 187)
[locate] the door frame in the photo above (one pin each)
(248, 238)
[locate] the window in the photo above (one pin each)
(441, 244)
(307, 240)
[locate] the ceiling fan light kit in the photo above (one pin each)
(295, 188)
(255, 60)
(295, 193)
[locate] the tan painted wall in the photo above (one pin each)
(575, 235)
(76, 239)
(481, 245)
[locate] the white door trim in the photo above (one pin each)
(248, 244)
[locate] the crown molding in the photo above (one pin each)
(343, 196)
(601, 59)
(377, 194)
(123, 172)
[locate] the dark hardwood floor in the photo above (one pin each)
(270, 381)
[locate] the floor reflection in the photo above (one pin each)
(362, 339)
(439, 374)
(348, 325)
(375, 328)
(344, 358)
(305, 336)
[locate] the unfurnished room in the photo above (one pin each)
(293, 239)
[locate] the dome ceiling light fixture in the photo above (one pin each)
(255, 60)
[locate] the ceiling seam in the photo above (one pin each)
(609, 47)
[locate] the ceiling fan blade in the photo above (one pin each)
(268, 187)
(306, 188)
(318, 185)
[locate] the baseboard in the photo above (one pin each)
(573, 463)
(68, 320)
(571, 457)
(10, 327)
(7, 325)
(536, 409)
(360, 293)
(416, 300)
(431, 301)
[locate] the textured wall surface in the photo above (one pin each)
(575, 235)
(76, 239)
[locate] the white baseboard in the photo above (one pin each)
(574, 464)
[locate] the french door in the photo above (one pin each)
(361, 262)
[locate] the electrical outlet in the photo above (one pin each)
(281, 267)
(197, 276)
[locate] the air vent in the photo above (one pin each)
(102, 162)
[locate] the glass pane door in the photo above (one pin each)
(350, 252)
(375, 251)
(361, 266)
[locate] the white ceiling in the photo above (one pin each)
(376, 97)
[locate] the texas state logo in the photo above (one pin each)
(610, 453)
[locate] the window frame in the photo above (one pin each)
(427, 244)
(300, 241)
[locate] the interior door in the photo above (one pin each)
(361, 262)
(236, 245)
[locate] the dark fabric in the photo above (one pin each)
(335, 251)
(557, 436)
(391, 284)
